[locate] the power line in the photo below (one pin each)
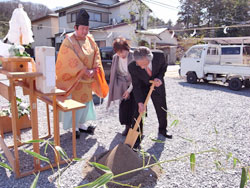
(210, 28)
(173, 30)
(164, 5)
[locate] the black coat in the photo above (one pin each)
(140, 78)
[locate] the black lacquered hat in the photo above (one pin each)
(82, 18)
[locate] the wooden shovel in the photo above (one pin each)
(133, 133)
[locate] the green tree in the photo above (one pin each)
(191, 13)
(154, 22)
(214, 13)
(170, 24)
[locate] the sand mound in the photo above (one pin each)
(122, 159)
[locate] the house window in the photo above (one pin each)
(40, 26)
(71, 17)
(105, 17)
(93, 16)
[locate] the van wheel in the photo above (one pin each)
(205, 80)
(247, 83)
(235, 84)
(191, 78)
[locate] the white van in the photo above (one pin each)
(211, 62)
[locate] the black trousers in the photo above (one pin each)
(126, 110)
(160, 105)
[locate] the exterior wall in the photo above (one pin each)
(43, 30)
(70, 26)
(166, 38)
(117, 14)
(122, 12)
(64, 25)
(127, 31)
(172, 55)
(172, 46)
(169, 45)
(55, 26)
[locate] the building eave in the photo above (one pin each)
(110, 26)
(82, 3)
(147, 32)
(45, 17)
(126, 1)
(98, 5)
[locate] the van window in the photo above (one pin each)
(195, 52)
(212, 51)
(230, 50)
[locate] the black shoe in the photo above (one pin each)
(78, 134)
(165, 134)
(125, 132)
(90, 130)
(137, 145)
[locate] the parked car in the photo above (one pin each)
(107, 55)
(212, 62)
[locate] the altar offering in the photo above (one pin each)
(45, 64)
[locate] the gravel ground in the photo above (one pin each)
(209, 116)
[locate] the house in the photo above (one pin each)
(104, 36)
(108, 19)
(160, 38)
(112, 18)
(44, 30)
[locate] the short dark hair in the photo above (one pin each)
(120, 44)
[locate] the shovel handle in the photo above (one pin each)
(133, 133)
(138, 120)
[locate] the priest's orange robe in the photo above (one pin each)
(75, 55)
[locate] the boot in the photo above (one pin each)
(125, 132)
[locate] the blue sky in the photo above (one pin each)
(161, 8)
